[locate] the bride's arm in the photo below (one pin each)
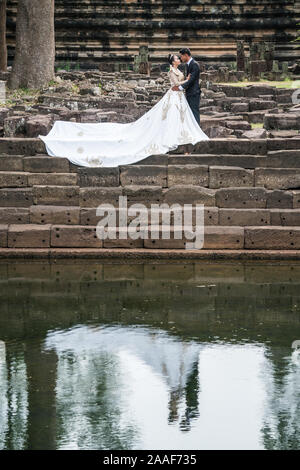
(184, 81)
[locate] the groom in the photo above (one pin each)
(192, 87)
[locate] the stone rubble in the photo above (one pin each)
(252, 111)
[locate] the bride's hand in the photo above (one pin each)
(188, 77)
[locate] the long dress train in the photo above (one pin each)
(165, 126)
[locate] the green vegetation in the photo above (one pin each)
(75, 88)
(27, 96)
(64, 66)
(68, 66)
(20, 92)
(257, 125)
(52, 83)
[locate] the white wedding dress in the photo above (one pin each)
(165, 126)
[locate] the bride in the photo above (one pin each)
(165, 126)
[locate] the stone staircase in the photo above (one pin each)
(93, 31)
(250, 191)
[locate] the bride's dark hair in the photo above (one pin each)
(171, 57)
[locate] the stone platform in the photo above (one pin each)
(250, 191)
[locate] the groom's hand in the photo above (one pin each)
(175, 88)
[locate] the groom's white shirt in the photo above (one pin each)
(188, 63)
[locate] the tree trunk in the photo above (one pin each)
(3, 49)
(33, 65)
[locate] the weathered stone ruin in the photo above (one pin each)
(253, 111)
(93, 32)
(142, 61)
(248, 178)
(247, 175)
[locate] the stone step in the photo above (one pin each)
(214, 177)
(244, 146)
(97, 176)
(56, 195)
(33, 146)
(35, 164)
(75, 215)
(243, 161)
(215, 237)
(64, 215)
(78, 236)
(259, 217)
(11, 163)
(277, 178)
(14, 215)
(13, 179)
(287, 160)
(137, 173)
(16, 197)
(256, 197)
(147, 194)
(21, 146)
(212, 216)
(158, 216)
(272, 238)
(231, 197)
(283, 158)
(229, 188)
(18, 179)
(46, 165)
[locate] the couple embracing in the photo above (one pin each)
(173, 121)
(191, 84)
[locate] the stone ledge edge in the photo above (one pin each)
(148, 254)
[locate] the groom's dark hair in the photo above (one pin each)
(185, 50)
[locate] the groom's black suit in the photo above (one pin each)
(192, 89)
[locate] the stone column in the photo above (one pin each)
(141, 61)
(254, 51)
(269, 55)
(240, 57)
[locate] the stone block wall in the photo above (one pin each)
(93, 31)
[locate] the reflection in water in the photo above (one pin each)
(13, 399)
(132, 376)
(282, 413)
(89, 402)
(3, 395)
(93, 360)
(199, 360)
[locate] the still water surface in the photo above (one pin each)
(162, 356)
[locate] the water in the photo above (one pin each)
(154, 356)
